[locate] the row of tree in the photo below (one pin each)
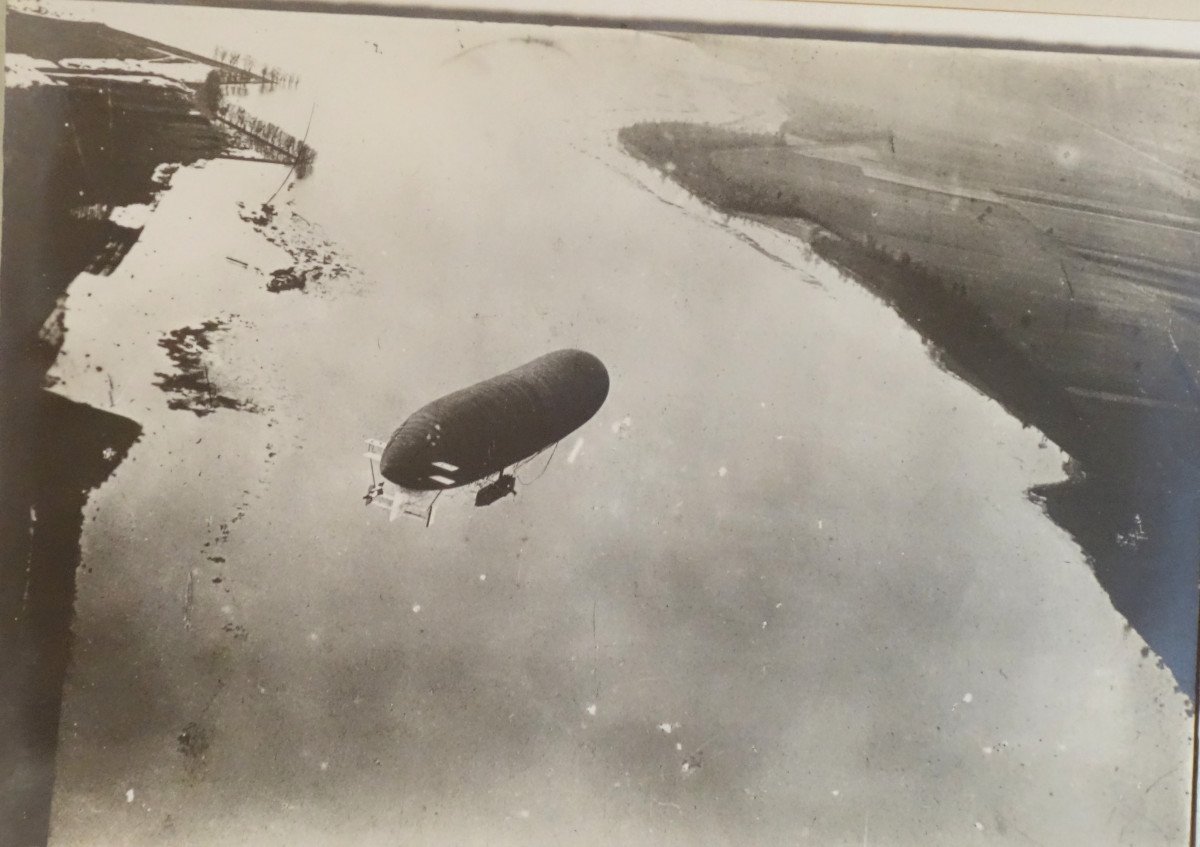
(269, 135)
(270, 73)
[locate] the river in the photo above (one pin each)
(788, 587)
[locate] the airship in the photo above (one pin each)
(482, 431)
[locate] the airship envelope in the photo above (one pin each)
(477, 431)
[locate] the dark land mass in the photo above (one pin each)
(72, 153)
(1075, 307)
(56, 38)
(56, 453)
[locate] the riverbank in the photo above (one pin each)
(55, 38)
(84, 160)
(1088, 356)
(99, 123)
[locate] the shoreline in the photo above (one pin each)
(1116, 487)
(86, 188)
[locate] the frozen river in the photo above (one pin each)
(788, 589)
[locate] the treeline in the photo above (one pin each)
(271, 74)
(270, 139)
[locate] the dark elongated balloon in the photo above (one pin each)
(467, 435)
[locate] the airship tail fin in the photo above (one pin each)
(398, 501)
(403, 502)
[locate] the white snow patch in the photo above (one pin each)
(94, 212)
(416, 608)
(574, 454)
(192, 73)
(722, 471)
(21, 71)
(968, 697)
(665, 727)
(591, 710)
(162, 173)
(151, 79)
(129, 796)
(133, 216)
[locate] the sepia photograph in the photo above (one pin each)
(421, 430)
